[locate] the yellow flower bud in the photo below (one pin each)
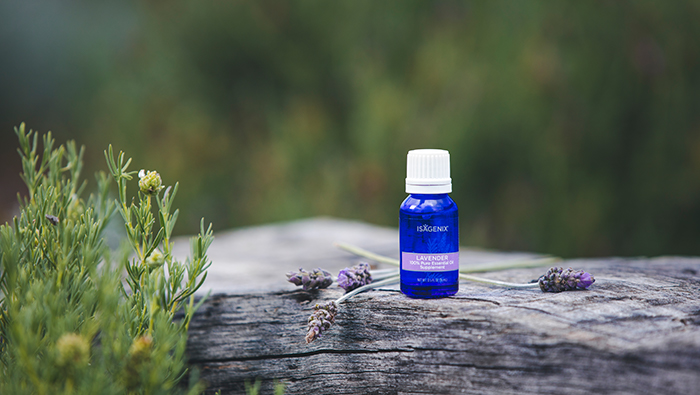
(139, 358)
(156, 259)
(73, 350)
(140, 349)
(149, 182)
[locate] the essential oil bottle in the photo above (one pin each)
(429, 227)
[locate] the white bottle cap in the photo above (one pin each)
(428, 171)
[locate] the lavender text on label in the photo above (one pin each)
(430, 262)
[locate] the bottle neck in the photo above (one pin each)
(429, 196)
(428, 189)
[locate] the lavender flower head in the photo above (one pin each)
(318, 278)
(322, 319)
(557, 280)
(354, 277)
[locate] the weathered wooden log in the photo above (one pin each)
(636, 330)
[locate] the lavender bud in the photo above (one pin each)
(294, 277)
(317, 279)
(354, 277)
(322, 319)
(557, 280)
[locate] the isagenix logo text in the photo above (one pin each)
(428, 228)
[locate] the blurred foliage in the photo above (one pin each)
(68, 324)
(573, 126)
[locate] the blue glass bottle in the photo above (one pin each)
(438, 212)
(429, 228)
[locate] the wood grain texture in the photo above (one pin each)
(636, 331)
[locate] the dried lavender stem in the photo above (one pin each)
(390, 280)
(496, 282)
(384, 273)
(512, 264)
(488, 267)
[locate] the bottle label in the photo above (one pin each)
(423, 262)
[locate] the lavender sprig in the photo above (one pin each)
(354, 277)
(324, 315)
(322, 319)
(317, 279)
(557, 280)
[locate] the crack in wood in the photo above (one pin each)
(480, 300)
(549, 313)
(301, 355)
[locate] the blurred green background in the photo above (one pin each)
(574, 127)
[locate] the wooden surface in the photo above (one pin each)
(636, 331)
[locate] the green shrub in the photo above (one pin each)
(69, 322)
